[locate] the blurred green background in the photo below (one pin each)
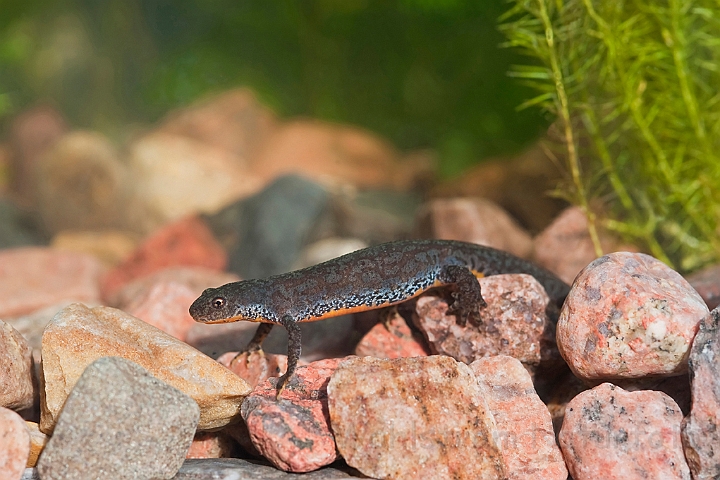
(423, 73)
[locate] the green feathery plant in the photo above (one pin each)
(635, 88)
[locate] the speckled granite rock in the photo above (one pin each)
(391, 339)
(78, 336)
(411, 418)
(474, 220)
(16, 364)
(628, 315)
(255, 367)
(514, 323)
(120, 422)
(293, 433)
(701, 437)
(238, 469)
(32, 278)
(525, 430)
(612, 434)
(14, 445)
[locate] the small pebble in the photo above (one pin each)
(14, 445)
(293, 432)
(187, 242)
(612, 434)
(527, 440)
(120, 422)
(391, 339)
(78, 336)
(701, 436)
(411, 418)
(38, 440)
(514, 323)
(16, 366)
(212, 445)
(628, 315)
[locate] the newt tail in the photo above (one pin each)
(367, 279)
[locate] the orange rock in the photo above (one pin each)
(32, 278)
(233, 120)
(186, 242)
(327, 153)
(37, 443)
(78, 336)
(212, 445)
(473, 220)
(391, 339)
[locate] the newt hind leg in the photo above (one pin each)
(466, 295)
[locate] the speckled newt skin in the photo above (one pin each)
(367, 279)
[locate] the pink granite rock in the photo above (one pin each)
(565, 247)
(35, 277)
(391, 339)
(293, 432)
(474, 220)
(187, 242)
(165, 306)
(410, 418)
(628, 315)
(525, 429)
(701, 436)
(16, 366)
(255, 367)
(14, 445)
(196, 279)
(612, 434)
(514, 323)
(212, 445)
(707, 284)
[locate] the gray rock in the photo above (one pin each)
(238, 469)
(18, 228)
(700, 434)
(120, 422)
(265, 233)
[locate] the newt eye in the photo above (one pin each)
(218, 302)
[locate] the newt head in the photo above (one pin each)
(233, 302)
